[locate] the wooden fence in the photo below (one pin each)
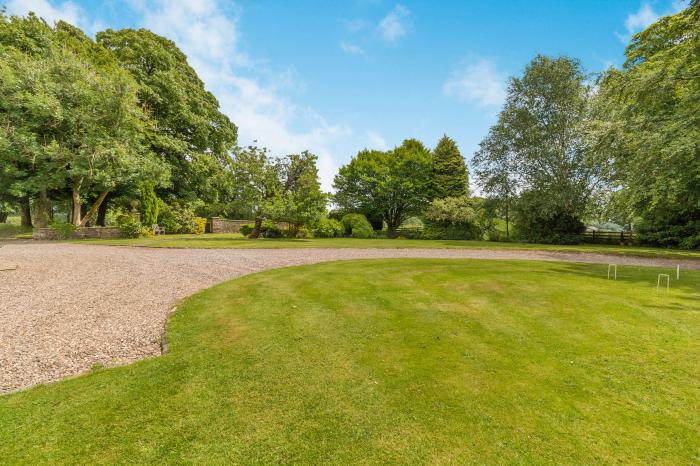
(609, 237)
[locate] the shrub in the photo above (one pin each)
(357, 226)
(304, 232)
(150, 207)
(270, 230)
(146, 232)
(267, 230)
(177, 218)
(246, 229)
(63, 230)
(328, 228)
(199, 225)
(452, 218)
(129, 227)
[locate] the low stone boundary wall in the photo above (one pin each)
(224, 225)
(85, 232)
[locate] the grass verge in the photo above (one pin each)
(235, 240)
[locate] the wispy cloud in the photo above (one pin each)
(477, 82)
(376, 141)
(396, 24)
(351, 49)
(638, 21)
(60, 11)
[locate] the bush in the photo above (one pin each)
(63, 230)
(357, 226)
(267, 230)
(453, 218)
(199, 225)
(328, 228)
(304, 232)
(129, 227)
(246, 229)
(146, 232)
(177, 218)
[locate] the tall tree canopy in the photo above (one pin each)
(451, 177)
(648, 124)
(538, 149)
(69, 120)
(188, 130)
(397, 183)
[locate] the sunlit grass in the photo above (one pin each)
(390, 362)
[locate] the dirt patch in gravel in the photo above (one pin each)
(70, 306)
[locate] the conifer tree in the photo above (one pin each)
(450, 174)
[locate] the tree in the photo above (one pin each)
(300, 200)
(189, 132)
(496, 173)
(647, 124)
(539, 146)
(450, 174)
(397, 183)
(70, 119)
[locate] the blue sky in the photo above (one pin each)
(336, 77)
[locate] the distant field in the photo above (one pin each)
(12, 229)
(239, 241)
(393, 362)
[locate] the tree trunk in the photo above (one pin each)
(75, 210)
(25, 207)
(3, 217)
(102, 213)
(507, 226)
(42, 210)
(94, 208)
(256, 230)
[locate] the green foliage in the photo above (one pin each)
(199, 225)
(129, 227)
(64, 230)
(647, 121)
(450, 174)
(187, 131)
(397, 184)
(328, 228)
(150, 205)
(267, 230)
(539, 146)
(357, 226)
(539, 225)
(452, 218)
(178, 218)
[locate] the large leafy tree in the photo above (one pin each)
(189, 132)
(397, 183)
(648, 123)
(69, 117)
(451, 177)
(539, 146)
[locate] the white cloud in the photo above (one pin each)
(640, 20)
(396, 24)
(376, 141)
(351, 49)
(248, 91)
(63, 11)
(478, 82)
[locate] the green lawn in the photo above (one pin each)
(238, 241)
(389, 362)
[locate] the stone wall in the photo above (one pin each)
(85, 232)
(224, 225)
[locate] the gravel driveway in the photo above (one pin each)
(69, 306)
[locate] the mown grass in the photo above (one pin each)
(393, 362)
(235, 240)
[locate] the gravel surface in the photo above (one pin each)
(70, 306)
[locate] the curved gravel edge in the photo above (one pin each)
(68, 307)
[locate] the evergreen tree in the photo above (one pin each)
(450, 174)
